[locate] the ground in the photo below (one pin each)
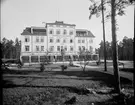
(53, 87)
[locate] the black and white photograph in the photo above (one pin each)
(67, 52)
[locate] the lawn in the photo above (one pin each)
(32, 87)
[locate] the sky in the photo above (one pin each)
(16, 15)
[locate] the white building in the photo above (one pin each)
(39, 42)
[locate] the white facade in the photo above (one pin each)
(49, 40)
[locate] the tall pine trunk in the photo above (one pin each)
(115, 48)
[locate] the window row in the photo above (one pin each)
(83, 41)
(44, 58)
(80, 48)
(58, 40)
(51, 48)
(58, 32)
(38, 39)
(37, 48)
(60, 48)
(60, 26)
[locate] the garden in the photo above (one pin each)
(31, 86)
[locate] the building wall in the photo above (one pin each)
(33, 44)
(61, 37)
(88, 41)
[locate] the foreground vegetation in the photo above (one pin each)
(32, 87)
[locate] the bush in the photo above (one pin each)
(98, 62)
(42, 67)
(63, 67)
(70, 63)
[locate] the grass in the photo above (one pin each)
(131, 70)
(55, 87)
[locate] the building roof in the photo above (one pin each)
(60, 23)
(34, 31)
(42, 31)
(26, 31)
(83, 33)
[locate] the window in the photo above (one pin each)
(34, 58)
(83, 41)
(71, 48)
(83, 48)
(58, 25)
(65, 48)
(50, 25)
(37, 48)
(58, 48)
(51, 40)
(91, 49)
(51, 48)
(27, 48)
(64, 32)
(42, 48)
(90, 41)
(61, 47)
(51, 31)
(71, 32)
(64, 41)
(27, 39)
(71, 41)
(58, 40)
(58, 32)
(79, 41)
(42, 39)
(79, 48)
(37, 39)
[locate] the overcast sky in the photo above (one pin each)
(16, 15)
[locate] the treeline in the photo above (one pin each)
(125, 49)
(10, 49)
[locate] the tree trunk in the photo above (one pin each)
(104, 37)
(84, 68)
(114, 48)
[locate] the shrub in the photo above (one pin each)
(70, 63)
(63, 67)
(42, 67)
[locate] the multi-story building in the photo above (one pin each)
(39, 42)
